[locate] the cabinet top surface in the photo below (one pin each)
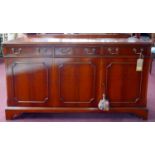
(27, 40)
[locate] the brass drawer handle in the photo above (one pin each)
(42, 50)
(113, 51)
(16, 51)
(90, 50)
(138, 51)
(66, 50)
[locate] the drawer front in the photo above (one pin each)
(126, 51)
(27, 52)
(76, 51)
(109, 51)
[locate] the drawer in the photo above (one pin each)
(126, 51)
(76, 51)
(27, 52)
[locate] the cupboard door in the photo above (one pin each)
(124, 86)
(78, 80)
(28, 82)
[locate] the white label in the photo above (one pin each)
(139, 65)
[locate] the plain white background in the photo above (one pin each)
(77, 16)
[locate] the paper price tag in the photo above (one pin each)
(139, 64)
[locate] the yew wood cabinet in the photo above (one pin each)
(59, 75)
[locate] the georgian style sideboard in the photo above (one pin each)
(61, 75)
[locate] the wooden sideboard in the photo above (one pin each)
(59, 75)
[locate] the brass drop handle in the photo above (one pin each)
(16, 51)
(138, 51)
(113, 51)
(66, 50)
(135, 50)
(142, 50)
(90, 51)
(42, 50)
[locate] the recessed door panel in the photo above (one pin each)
(30, 82)
(78, 82)
(123, 82)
